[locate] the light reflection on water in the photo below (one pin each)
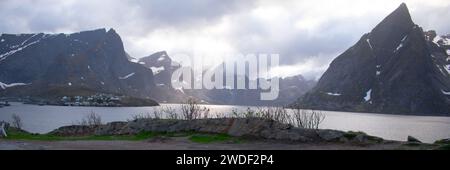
(43, 119)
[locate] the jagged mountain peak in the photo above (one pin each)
(393, 69)
(400, 16)
(392, 29)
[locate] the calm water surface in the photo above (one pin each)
(43, 119)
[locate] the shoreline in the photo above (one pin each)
(204, 134)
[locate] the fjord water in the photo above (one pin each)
(43, 119)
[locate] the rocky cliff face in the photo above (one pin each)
(396, 68)
(70, 64)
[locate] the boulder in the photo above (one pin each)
(75, 130)
(113, 128)
(330, 135)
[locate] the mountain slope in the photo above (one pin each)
(53, 65)
(392, 69)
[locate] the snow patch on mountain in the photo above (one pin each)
(22, 46)
(333, 94)
(133, 60)
(447, 68)
(368, 95)
(162, 58)
(7, 54)
(442, 40)
(127, 76)
(370, 45)
(401, 43)
(157, 70)
(4, 85)
(445, 92)
(23, 43)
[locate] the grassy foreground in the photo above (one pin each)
(14, 134)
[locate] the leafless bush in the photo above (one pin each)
(141, 116)
(16, 121)
(300, 118)
(191, 110)
(170, 113)
(308, 119)
(92, 119)
(220, 116)
(278, 114)
(161, 113)
(157, 114)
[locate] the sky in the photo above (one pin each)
(308, 34)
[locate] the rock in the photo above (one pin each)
(413, 140)
(251, 127)
(255, 128)
(113, 128)
(330, 135)
(75, 130)
(360, 138)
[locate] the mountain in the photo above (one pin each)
(396, 68)
(84, 63)
(291, 88)
(163, 66)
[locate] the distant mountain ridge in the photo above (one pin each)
(163, 66)
(396, 68)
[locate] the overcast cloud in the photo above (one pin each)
(307, 34)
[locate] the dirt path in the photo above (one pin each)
(182, 143)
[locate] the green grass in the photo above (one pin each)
(19, 135)
(213, 138)
(14, 134)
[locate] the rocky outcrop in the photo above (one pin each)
(249, 128)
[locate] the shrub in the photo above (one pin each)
(92, 119)
(191, 110)
(16, 121)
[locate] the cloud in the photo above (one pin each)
(306, 34)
